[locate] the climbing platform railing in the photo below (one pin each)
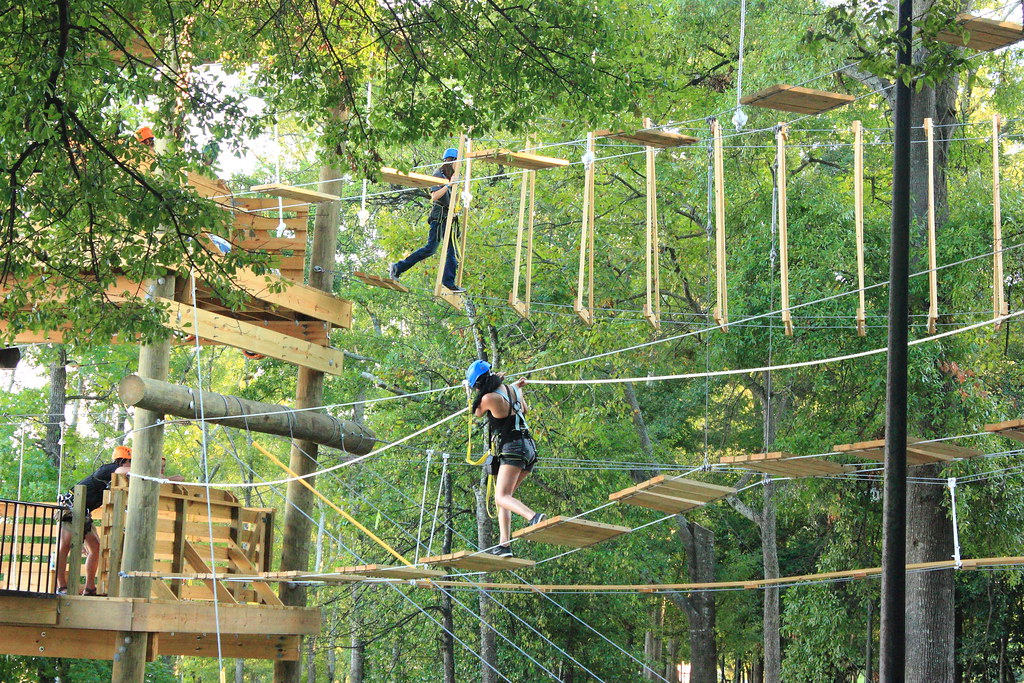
(28, 537)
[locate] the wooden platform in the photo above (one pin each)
(575, 533)
(384, 282)
(302, 194)
(983, 34)
(1012, 429)
(395, 177)
(87, 627)
(918, 452)
(527, 160)
(786, 464)
(796, 99)
(649, 137)
(671, 495)
(478, 561)
(386, 572)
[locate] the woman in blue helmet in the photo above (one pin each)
(440, 196)
(504, 406)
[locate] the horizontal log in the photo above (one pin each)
(267, 418)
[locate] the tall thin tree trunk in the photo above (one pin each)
(699, 608)
(770, 553)
(357, 653)
(55, 405)
(447, 619)
(239, 670)
(484, 531)
(311, 659)
(332, 664)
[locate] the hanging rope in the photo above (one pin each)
(951, 484)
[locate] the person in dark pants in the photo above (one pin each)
(505, 407)
(440, 196)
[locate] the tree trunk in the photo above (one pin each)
(770, 554)
(699, 608)
(652, 642)
(484, 531)
(672, 663)
(332, 664)
(357, 649)
(447, 619)
(311, 659)
(239, 670)
(55, 406)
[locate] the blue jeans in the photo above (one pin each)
(451, 265)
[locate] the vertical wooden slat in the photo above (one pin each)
(178, 553)
(526, 188)
(652, 307)
(77, 534)
(529, 244)
(721, 312)
(439, 289)
(781, 135)
(464, 224)
(115, 540)
(933, 274)
(999, 305)
(586, 313)
(858, 218)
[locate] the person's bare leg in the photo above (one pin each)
(63, 548)
(92, 559)
(508, 479)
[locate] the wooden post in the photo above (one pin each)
(721, 313)
(464, 222)
(528, 187)
(115, 541)
(652, 307)
(999, 305)
(78, 514)
(140, 525)
(780, 162)
(586, 313)
(858, 219)
(933, 274)
(309, 393)
(439, 289)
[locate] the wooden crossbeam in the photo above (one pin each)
(585, 284)
(391, 572)
(395, 177)
(798, 100)
(384, 282)
(918, 452)
(1012, 429)
(257, 205)
(525, 159)
(241, 562)
(235, 645)
(302, 194)
(478, 561)
(575, 533)
(858, 219)
(982, 34)
(649, 137)
(786, 464)
(296, 297)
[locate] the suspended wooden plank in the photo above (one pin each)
(575, 533)
(982, 34)
(721, 312)
(858, 218)
(528, 186)
(918, 451)
(525, 159)
(933, 273)
(652, 305)
(586, 313)
(786, 464)
(798, 100)
(780, 168)
(649, 137)
(391, 572)
(302, 194)
(1000, 307)
(386, 283)
(395, 177)
(1012, 429)
(671, 495)
(478, 561)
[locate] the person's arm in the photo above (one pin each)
(519, 384)
(176, 477)
(438, 193)
(494, 404)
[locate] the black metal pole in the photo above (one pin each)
(892, 648)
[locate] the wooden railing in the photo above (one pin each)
(28, 538)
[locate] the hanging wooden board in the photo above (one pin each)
(649, 137)
(983, 34)
(575, 533)
(386, 283)
(918, 452)
(1013, 429)
(671, 495)
(527, 160)
(301, 194)
(386, 572)
(796, 99)
(786, 464)
(395, 177)
(478, 561)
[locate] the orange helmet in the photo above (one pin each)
(145, 134)
(122, 453)
(252, 355)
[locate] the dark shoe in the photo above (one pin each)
(89, 591)
(455, 289)
(538, 518)
(62, 590)
(393, 272)
(502, 551)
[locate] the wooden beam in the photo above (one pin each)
(301, 194)
(721, 312)
(652, 305)
(526, 216)
(233, 645)
(796, 99)
(1000, 307)
(858, 219)
(525, 159)
(649, 137)
(266, 418)
(395, 177)
(780, 168)
(583, 283)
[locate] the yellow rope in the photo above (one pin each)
(337, 509)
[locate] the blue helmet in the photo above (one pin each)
(478, 369)
(450, 153)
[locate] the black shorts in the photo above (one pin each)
(67, 501)
(521, 453)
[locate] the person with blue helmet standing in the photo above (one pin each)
(505, 408)
(440, 196)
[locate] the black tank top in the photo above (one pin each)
(96, 483)
(505, 427)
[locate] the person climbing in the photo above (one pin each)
(95, 484)
(145, 136)
(504, 406)
(440, 196)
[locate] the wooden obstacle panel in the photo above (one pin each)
(575, 533)
(671, 495)
(478, 561)
(301, 194)
(796, 99)
(918, 452)
(983, 34)
(385, 282)
(527, 160)
(395, 177)
(649, 137)
(1013, 429)
(386, 572)
(786, 464)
